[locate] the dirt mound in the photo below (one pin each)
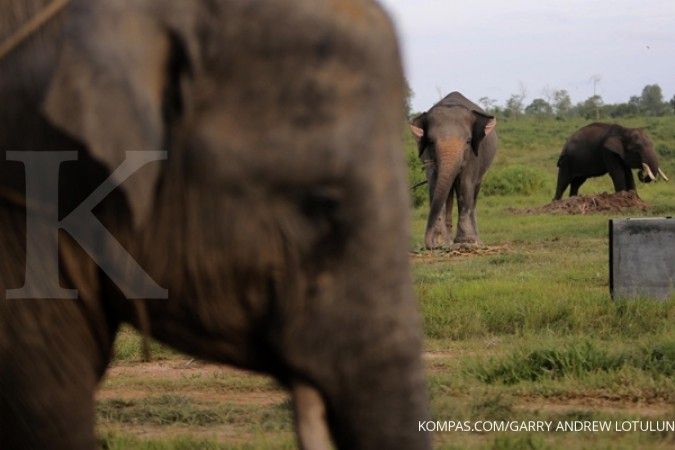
(588, 204)
(460, 250)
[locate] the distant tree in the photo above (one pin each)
(514, 106)
(409, 94)
(590, 108)
(672, 103)
(497, 110)
(624, 109)
(562, 103)
(635, 103)
(651, 100)
(516, 103)
(539, 107)
(488, 104)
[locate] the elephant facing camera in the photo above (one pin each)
(457, 142)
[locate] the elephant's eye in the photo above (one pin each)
(468, 141)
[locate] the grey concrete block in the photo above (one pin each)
(642, 257)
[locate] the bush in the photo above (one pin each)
(513, 180)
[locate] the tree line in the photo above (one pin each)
(558, 103)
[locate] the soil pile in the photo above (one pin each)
(588, 204)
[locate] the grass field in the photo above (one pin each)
(527, 333)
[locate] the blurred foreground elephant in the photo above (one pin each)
(601, 148)
(457, 142)
(277, 222)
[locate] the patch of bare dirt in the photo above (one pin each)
(459, 250)
(589, 204)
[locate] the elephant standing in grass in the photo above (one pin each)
(601, 148)
(457, 142)
(278, 221)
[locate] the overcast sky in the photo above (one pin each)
(489, 47)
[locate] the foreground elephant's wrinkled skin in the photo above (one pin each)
(278, 223)
(457, 142)
(601, 148)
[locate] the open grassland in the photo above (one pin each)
(526, 333)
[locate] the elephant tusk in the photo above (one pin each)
(646, 168)
(310, 418)
(663, 175)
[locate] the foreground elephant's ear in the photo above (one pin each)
(483, 126)
(614, 144)
(108, 90)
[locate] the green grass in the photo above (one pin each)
(528, 333)
(128, 348)
(513, 180)
(537, 320)
(577, 361)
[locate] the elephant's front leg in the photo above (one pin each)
(473, 211)
(449, 204)
(617, 171)
(630, 180)
(466, 202)
(442, 234)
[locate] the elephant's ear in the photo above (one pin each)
(418, 128)
(482, 127)
(614, 144)
(109, 88)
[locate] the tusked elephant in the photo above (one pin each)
(601, 148)
(457, 142)
(277, 222)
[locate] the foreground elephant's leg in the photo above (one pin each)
(576, 184)
(52, 352)
(47, 377)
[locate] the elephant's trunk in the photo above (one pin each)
(449, 155)
(380, 405)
